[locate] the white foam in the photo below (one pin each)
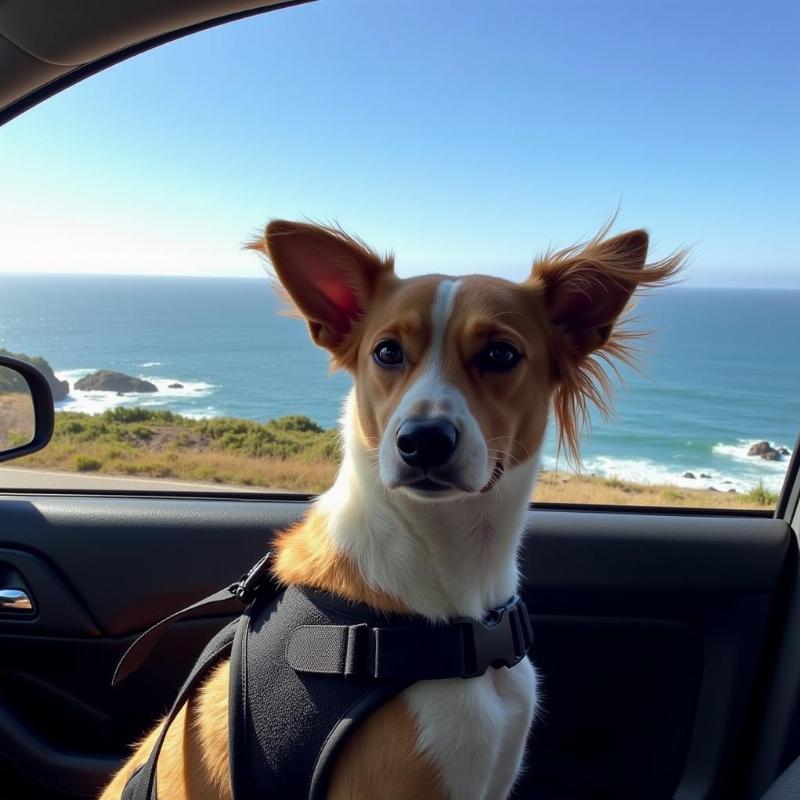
(96, 402)
(648, 472)
(187, 389)
(150, 364)
(738, 452)
(73, 375)
(208, 413)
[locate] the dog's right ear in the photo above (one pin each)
(329, 275)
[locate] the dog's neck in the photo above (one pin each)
(438, 559)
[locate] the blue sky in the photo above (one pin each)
(466, 136)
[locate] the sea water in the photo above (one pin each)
(720, 371)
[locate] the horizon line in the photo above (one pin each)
(214, 276)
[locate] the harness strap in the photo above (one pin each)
(461, 649)
(142, 784)
(226, 601)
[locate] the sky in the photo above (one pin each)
(464, 135)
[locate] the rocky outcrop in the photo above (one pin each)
(175, 385)
(688, 475)
(766, 451)
(105, 380)
(60, 389)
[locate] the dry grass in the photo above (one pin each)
(230, 471)
(292, 454)
(17, 422)
(564, 487)
(226, 469)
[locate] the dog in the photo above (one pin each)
(454, 381)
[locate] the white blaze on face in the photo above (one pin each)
(431, 395)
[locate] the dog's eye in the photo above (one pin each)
(388, 353)
(498, 357)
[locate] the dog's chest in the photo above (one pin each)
(475, 730)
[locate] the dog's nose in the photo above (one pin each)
(426, 443)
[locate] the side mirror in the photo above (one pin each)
(26, 409)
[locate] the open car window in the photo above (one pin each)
(467, 138)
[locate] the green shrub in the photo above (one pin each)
(73, 426)
(142, 432)
(87, 464)
(758, 494)
(330, 447)
(296, 422)
(126, 415)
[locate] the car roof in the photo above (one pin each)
(46, 47)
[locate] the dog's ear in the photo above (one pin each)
(329, 275)
(586, 290)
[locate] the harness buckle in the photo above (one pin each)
(505, 630)
(249, 585)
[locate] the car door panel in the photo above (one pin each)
(650, 631)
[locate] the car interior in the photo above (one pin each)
(668, 639)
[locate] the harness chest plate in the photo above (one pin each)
(307, 668)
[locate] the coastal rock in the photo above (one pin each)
(732, 491)
(59, 388)
(712, 489)
(766, 451)
(105, 380)
(704, 475)
(689, 475)
(175, 385)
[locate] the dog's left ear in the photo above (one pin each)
(329, 275)
(585, 290)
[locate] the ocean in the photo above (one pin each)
(721, 371)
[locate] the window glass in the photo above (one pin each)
(464, 136)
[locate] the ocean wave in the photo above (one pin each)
(73, 375)
(186, 388)
(150, 364)
(738, 452)
(168, 397)
(207, 413)
(648, 472)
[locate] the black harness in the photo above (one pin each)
(307, 667)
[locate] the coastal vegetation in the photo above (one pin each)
(290, 454)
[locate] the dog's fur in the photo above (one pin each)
(375, 538)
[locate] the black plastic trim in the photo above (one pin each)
(303, 497)
(790, 493)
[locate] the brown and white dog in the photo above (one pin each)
(454, 380)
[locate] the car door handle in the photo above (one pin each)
(17, 601)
